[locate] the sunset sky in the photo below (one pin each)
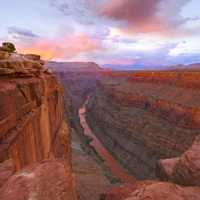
(124, 34)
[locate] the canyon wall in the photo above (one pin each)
(31, 115)
(32, 130)
(149, 116)
(77, 85)
(72, 66)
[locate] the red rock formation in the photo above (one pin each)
(165, 191)
(50, 179)
(32, 129)
(184, 170)
(31, 114)
(125, 190)
(151, 116)
(7, 169)
(72, 66)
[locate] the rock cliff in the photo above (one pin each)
(72, 66)
(149, 116)
(183, 171)
(32, 130)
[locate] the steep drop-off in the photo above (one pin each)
(77, 85)
(32, 131)
(149, 116)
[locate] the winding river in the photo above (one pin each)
(110, 161)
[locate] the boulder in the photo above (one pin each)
(164, 168)
(47, 71)
(165, 191)
(6, 171)
(32, 56)
(50, 179)
(41, 62)
(186, 171)
(125, 190)
(3, 55)
(2, 48)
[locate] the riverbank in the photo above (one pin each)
(90, 181)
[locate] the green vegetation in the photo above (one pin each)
(10, 46)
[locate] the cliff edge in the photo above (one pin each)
(32, 130)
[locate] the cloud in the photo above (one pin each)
(64, 8)
(62, 46)
(52, 2)
(146, 16)
(21, 31)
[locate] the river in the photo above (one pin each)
(110, 161)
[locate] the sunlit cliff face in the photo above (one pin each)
(130, 33)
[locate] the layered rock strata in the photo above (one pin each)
(152, 115)
(72, 66)
(31, 115)
(31, 130)
(184, 170)
(77, 85)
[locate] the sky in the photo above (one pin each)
(123, 34)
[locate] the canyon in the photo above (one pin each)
(147, 120)
(145, 117)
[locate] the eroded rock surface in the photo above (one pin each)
(165, 191)
(7, 169)
(184, 170)
(125, 190)
(50, 179)
(32, 129)
(72, 66)
(149, 116)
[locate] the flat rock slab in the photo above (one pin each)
(32, 56)
(2, 48)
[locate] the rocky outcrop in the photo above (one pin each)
(4, 52)
(165, 191)
(31, 130)
(151, 116)
(31, 115)
(125, 190)
(50, 179)
(7, 169)
(72, 66)
(184, 170)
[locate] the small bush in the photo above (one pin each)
(10, 46)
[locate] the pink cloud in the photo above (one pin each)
(145, 16)
(62, 48)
